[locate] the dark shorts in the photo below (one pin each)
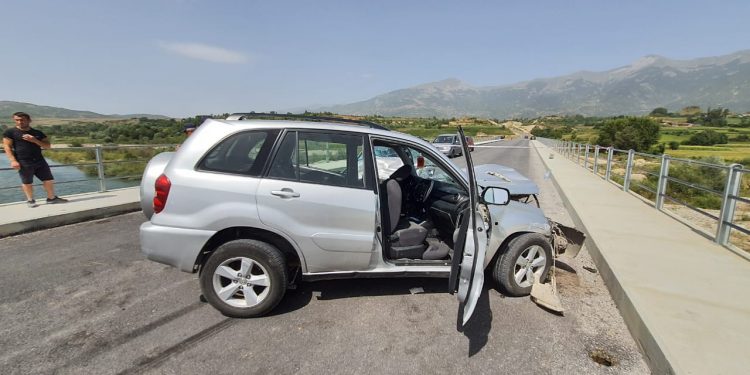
(38, 168)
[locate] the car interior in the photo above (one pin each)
(422, 205)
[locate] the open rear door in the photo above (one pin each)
(467, 270)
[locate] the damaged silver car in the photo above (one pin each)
(255, 204)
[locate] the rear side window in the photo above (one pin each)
(242, 153)
(321, 158)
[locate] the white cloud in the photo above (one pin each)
(205, 52)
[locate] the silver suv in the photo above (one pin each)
(255, 204)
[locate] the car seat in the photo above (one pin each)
(407, 237)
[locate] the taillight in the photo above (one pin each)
(162, 186)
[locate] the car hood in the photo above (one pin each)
(506, 177)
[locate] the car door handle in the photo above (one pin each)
(285, 193)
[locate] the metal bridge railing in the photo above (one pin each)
(713, 191)
(103, 164)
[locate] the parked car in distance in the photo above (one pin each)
(448, 144)
(255, 205)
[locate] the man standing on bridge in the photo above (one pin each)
(24, 145)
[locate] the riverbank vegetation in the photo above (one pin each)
(122, 162)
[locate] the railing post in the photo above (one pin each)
(596, 159)
(728, 203)
(586, 157)
(100, 169)
(570, 150)
(628, 170)
(610, 153)
(661, 186)
(578, 154)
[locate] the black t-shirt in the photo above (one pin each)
(24, 150)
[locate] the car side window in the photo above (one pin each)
(320, 158)
(386, 161)
(241, 153)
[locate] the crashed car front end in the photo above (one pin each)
(523, 213)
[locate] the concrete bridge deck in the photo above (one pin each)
(684, 298)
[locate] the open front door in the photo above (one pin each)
(467, 270)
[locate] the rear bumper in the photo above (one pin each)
(177, 247)
(448, 152)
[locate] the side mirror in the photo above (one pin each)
(496, 195)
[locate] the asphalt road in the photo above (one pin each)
(82, 299)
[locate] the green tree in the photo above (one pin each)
(707, 138)
(659, 112)
(635, 133)
(715, 117)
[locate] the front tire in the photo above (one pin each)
(244, 278)
(527, 259)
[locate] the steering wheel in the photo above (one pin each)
(422, 189)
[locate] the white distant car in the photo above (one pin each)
(448, 144)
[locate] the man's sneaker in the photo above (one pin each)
(31, 203)
(56, 199)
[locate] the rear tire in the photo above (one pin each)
(526, 259)
(244, 278)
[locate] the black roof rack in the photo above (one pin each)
(280, 116)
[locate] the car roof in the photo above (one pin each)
(313, 125)
(301, 117)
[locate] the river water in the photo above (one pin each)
(10, 182)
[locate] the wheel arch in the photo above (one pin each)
(294, 258)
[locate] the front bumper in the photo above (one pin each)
(566, 240)
(177, 247)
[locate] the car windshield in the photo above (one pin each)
(444, 139)
(386, 152)
(430, 169)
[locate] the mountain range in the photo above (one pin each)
(635, 89)
(7, 108)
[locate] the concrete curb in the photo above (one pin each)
(654, 355)
(13, 229)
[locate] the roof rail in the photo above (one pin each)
(279, 116)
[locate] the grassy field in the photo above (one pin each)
(41, 121)
(737, 150)
(731, 152)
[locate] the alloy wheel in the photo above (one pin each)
(241, 282)
(529, 266)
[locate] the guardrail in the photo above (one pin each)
(713, 191)
(105, 165)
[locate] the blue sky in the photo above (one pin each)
(186, 57)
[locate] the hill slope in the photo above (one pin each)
(652, 81)
(7, 108)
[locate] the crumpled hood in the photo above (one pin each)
(501, 176)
